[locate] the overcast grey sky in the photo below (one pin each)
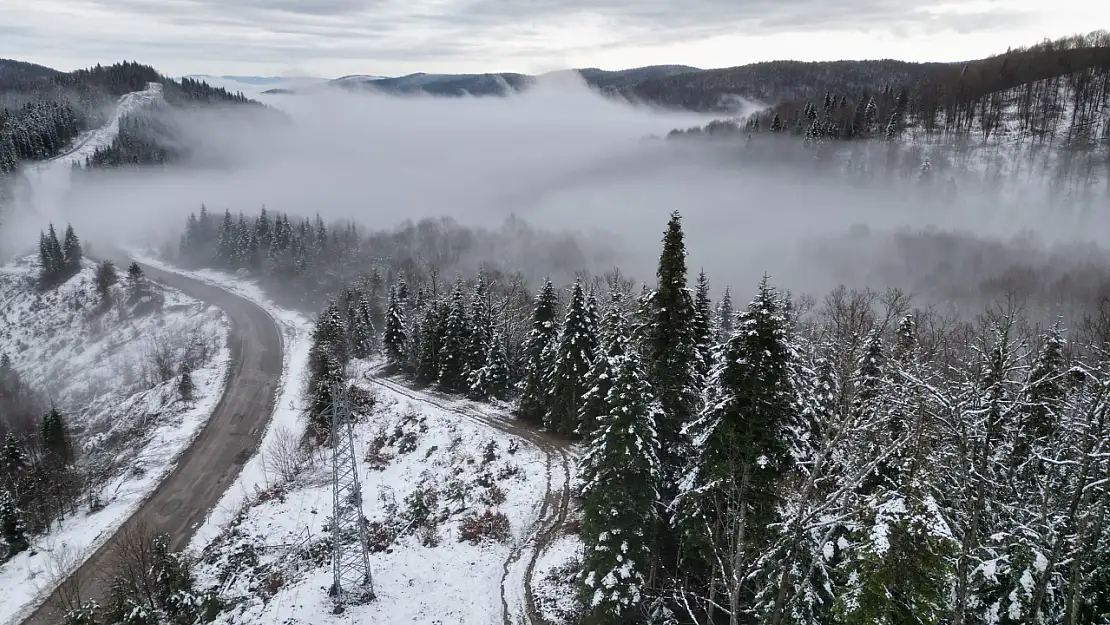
(330, 38)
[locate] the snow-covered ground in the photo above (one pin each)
(50, 178)
(553, 582)
(265, 544)
(97, 365)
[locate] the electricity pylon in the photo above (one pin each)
(350, 562)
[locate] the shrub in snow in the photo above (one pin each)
(489, 525)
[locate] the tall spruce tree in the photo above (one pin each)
(481, 320)
(539, 351)
(71, 251)
(703, 322)
(360, 328)
(491, 381)
(185, 388)
(671, 350)
(620, 475)
(12, 527)
(613, 344)
(575, 354)
(727, 503)
(396, 338)
(55, 437)
(454, 358)
(326, 360)
(429, 348)
(725, 313)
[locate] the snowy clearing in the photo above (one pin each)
(264, 546)
(97, 364)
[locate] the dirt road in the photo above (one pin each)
(518, 605)
(210, 465)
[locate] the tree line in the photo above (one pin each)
(857, 462)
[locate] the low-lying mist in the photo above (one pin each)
(562, 157)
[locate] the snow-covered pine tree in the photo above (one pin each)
(725, 315)
(727, 503)
(360, 328)
(1046, 389)
(12, 528)
(326, 360)
(429, 345)
(13, 455)
(481, 335)
(492, 380)
(227, 242)
(396, 337)
(245, 246)
(620, 474)
(185, 388)
(71, 251)
(615, 338)
(454, 359)
(670, 348)
(539, 352)
(56, 443)
(574, 356)
(703, 312)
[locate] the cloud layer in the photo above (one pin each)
(335, 37)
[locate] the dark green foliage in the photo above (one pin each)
(88, 613)
(71, 252)
(12, 529)
(326, 361)
(51, 259)
(430, 344)
(491, 381)
(185, 388)
(13, 455)
(725, 315)
(575, 353)
(137, 285)
(396, 337)
(703, 334)
(360, 329)
(614, 343)
(539, 352)
(454, 359)
(55, 437)
(620, 474)
(105, 278)
(743, 438)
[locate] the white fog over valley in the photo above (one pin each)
(757, 342)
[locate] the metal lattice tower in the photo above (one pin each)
(350, 562)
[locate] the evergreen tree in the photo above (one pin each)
(185, 388)
(620, 477)
(360, 328)
(539, 352)
(55, 437)
(395, 339)
(673, 365)
(12, 528)
(51, 257)
(727, 503)
(703, 312)
(71, 251)
(14, 456)
(574, 356)
(454, 359)
(1039, 416)
(227, 243)
(137, 286)
(725, 314)
(492, 380)
(430, 344)
(105, 278)
(614, 344)
(326, 360)
(481, 318)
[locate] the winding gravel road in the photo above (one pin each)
(210, 465)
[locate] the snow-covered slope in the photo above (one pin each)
(429, 464)
(49, 179)
(105, 368)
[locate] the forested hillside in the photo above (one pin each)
(42, 111)
(851, 460)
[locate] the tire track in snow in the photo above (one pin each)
(519, 567)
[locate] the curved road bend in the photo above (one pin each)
(210, 465)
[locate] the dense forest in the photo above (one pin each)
(850, 460)
(42, 111)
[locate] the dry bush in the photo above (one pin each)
(62, 570)
(429, 535)
(379, 536)
(285, 456)
(490, 525)
(132, 557)
(493, 496)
